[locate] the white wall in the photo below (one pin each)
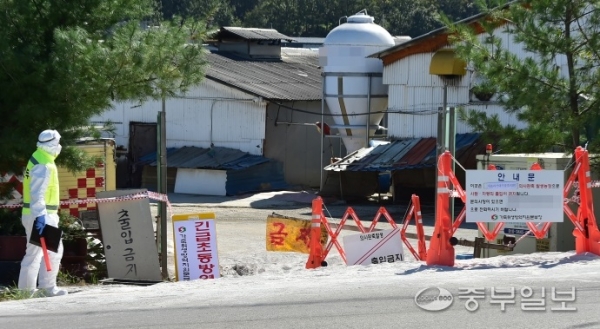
(418, 94)
(208, 113)
(201, 181)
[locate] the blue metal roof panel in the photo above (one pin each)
(219, 158)
(262, 177)
(461, 141)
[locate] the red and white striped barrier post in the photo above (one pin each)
(315, 258)
(441, 251)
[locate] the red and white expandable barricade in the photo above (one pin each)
(317, 254)
(441, 246)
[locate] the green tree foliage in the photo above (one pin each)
(215, 13)
(63, 61)
(314, 18)
(553, 87)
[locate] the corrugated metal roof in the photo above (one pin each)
(254, 33)
(417, 153)
(349, 160)
(402, 154)
(295, 77)
(219, 158)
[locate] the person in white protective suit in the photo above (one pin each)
(41, 201)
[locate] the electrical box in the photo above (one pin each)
(560, 235)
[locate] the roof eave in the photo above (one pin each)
(429, 42)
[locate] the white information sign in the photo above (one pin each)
(514, 196)
(195, 247)
(374, 247)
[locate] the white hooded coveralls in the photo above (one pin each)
(33, 263)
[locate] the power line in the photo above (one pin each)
(423, 109)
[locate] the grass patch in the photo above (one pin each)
(63, 279)
(13, 293)
(68, 279)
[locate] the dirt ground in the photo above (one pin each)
(241, 231)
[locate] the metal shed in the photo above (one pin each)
(216, 171)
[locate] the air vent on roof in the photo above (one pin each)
(252, 43)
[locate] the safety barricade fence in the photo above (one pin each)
(441, 247)
(317, 254)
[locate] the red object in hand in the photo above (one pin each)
(45, 251)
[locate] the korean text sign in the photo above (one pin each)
(514, 195)
(195, 239)
(128, 237)
(290, 234)
(374, 247)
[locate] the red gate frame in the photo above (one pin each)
(317, 254)
(441, 247)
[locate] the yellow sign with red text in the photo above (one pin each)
(290, 234)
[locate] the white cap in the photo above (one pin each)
(49, 137)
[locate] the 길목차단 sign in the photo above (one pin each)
(374, 247)
(514, 195)
(195, 239)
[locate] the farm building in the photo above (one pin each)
(257, 98)
(422, 74)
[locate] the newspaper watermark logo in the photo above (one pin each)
(434, 299)
(526, 298)
(505, 299)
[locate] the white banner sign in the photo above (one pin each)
(514, 195)
(195, 248)
(374, 247)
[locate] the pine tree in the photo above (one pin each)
(63, 61)
(555, 89)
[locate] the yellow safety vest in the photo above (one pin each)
(52, 192)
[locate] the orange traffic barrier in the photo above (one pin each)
(441, 250)
(587, 236)
(317, 254)
(441, 247)
(538, 233)
(414, 212)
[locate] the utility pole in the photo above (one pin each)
(440, 141)
(452, 148)
(162, 188)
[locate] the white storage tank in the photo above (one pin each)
(348, 74)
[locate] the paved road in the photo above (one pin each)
(385, 304)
